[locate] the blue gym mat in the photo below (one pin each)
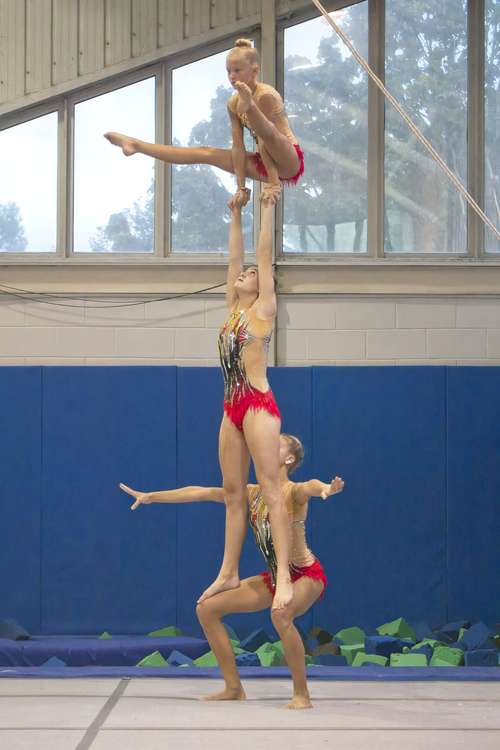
(81, 651)
(351, 674)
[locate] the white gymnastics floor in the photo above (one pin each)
(149, 714)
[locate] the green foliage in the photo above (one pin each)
(12, 237)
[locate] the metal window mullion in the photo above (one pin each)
(476, 124)
(69, 198)
(376, 124)
(161, 214)
(62, 181)
(167, 179)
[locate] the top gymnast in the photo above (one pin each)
(254, 105)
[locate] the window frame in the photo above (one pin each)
(64, 105)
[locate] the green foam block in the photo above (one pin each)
(398, 629)
(447, 657)
(270, 655)
(408, 660)
(431, 641)
(105, 636)
(362, 658)
(153, 660)
(206, 660)
(169, 632)
(350, 650)
(350, 636)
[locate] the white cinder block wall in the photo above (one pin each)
(357, 330)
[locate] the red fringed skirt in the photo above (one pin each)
(252, 399)
(261, 169)
(315, 571)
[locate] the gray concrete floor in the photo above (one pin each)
(107, 714)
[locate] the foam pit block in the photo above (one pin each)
(361, 659)
(331, 660)
(484, 657)
(206, 660)
(397, 628)
(477, 637)
(153, 660)
(444, 656)
(382, 645)
(326, 648)
(248, 659)
(11, 630)
(168, 632)
(451, 631)
(54, 662)
(233, 635)
(178, 659)
(421, 629)
(350, 650)
(426, 649)
(105, 636)
(256, 639)
(408, 660)
(432, 642)
(350, 636)
(321, 635)
(270, 655)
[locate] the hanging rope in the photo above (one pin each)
(421, 137)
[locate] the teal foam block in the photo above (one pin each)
(178, 659)
(54, 662)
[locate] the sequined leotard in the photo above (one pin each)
(243, 346)
(278, 117)
(302, 560)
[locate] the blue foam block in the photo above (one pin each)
(331, 660)
(256, 639)
(177, 658)
(484, 657)
(383, 645)
(477, 636)
(232, 632)
(248, 659)
(421, 629)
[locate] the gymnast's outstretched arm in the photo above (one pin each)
(317, 488)
(191, 494)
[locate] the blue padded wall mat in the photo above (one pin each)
(104, 566)
(383, 539)
(473, 468)
(414, 533)
(20, 448)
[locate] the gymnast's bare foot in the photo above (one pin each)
(245, 95)
(128, 145)
(221, 583)
(283, 594)
(228, 694)
(299, 701)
